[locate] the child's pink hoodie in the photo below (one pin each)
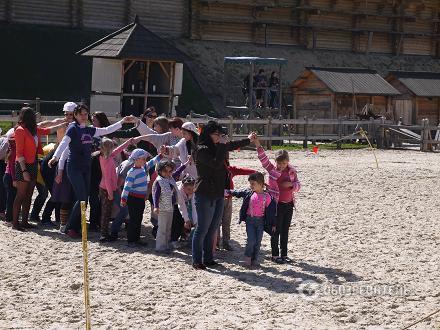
(109, 180)
(275, 176)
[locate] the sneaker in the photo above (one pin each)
(278, 260)
(103, 239)
(227, 247)
(113, 237)
(286, 259)
(199, 266)
(62, 229)
(48, 224)
(73, 234)
(211, 264)
(34, 218)
(174, 245)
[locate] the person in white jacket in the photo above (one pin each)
(185, 148)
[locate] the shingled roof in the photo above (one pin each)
(426, 84)
(353, 80)
(134, 41)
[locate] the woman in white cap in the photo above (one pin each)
(185, 147)
(79, 139)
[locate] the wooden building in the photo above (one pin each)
(420, 96)
(167, 18)
(373, 26)
(134, 68)
(340, 92)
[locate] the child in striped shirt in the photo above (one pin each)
(135, 193)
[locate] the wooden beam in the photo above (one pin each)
(127, 12)
(164, 70)
(79, 13)
(129, 66)
(370, 40)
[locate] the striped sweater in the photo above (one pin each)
(275, 174)
(136, 181)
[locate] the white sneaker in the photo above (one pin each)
(62, 229)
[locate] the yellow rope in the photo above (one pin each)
(371, 146)
(423, 319)
(86, 264)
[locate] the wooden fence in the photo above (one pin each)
(384, 133)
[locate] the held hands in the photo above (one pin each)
(59, 178)
(224, 139)
(26, 176)
(274, 229)
(188, 161)
(123, 203)
(156, 210)
(187, 224)
(163, 150)
(52, 162)
(254, 139)
(129, 119)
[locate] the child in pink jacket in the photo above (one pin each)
(283, 184)
(108, 188)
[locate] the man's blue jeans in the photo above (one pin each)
(80, 181)
(209, 214)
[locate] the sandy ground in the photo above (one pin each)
(365, 244)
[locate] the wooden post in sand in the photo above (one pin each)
(305, 132)
(86, 264)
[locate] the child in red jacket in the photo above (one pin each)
(227, 210)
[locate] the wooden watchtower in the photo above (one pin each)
(134, 68)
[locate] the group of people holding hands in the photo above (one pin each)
(182, 170)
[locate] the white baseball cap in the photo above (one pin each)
(69, 106)
(189, 126)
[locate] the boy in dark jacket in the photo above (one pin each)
(258, 211)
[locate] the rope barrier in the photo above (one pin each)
(363, 133)
(421, 320)
(86, 264)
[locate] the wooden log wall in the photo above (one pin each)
(428, 108)
(373, 26)
(168, 18)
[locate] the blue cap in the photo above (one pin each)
(138, 153)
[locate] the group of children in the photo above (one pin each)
(131, 176)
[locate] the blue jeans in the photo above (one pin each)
(122, 214)
(254, 231)
(80, 180)
(209, 214)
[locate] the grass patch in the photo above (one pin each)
(324, 146)
(5, 126)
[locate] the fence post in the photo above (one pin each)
(381, 137)
(425, 134)
(37, 105)
(269, 133)
(339, 143)
(305, 132)
(371, 131)
(231, 127)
